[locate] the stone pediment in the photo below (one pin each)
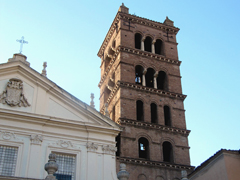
(23, 89)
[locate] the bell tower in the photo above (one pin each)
(141, 84)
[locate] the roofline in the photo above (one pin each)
(210, 159)
(58, 89)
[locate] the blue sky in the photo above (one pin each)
(68, 35)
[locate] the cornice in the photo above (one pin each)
(142, 88)
(134, 19)
(154, 163)
(139, 53)
(124, 121)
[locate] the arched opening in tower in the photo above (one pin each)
(143, 147)
(148, 44)
(158, 47)
(167, 152)
(162, 81)
(138, 74)
(150, 77)
(140, 116)
(138, 39)
(154, 113)
(167, 116)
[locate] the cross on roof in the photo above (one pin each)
(22, 41)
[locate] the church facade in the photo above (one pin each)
(37, 118)
(141, 83)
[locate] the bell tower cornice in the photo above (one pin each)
(165, 27)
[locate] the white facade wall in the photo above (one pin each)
(54, 121)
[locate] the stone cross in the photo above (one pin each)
(44, 71)
(21, 41)
(92, 102)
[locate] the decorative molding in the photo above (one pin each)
(154, 163)
(123, 121)
(92, 146)
(36, 139)
(109, 149)
(143, 88)
(6, 135)
(13, 95)
(63, 144)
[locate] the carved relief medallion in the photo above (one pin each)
(13, 95)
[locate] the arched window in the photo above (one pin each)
(148, 44)
(162, 81)
(138, 39)
(158, 47)
(150, 77)
(118, 140)
(140, 116)
(154, 118)
(138, 74)
(143, 147)
(167, 116)
(167, 152)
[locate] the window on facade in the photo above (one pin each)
(158, 47)
(167, 152)
(138, 39)
(118, 140)
(66, 167)
(8, 160)
(162, 81)
(140, 114)
(143, 147)
(167, 116)
(153, 113)
(114, 44)
(150, 77)
(138, 74)
(148, 44)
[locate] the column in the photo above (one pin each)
(155, 79)
(143, 77)
(153, 46)
(142, 44)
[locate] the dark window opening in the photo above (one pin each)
(118, 140)
(143, 147)
(138, 74)
(138, 39)
(140, 116)
(114, 44)
(63, 177)
(167, 152)
(150, 77)
(161, 81)
(153, 113)
(148, 44)
(158, 47)
(167, 116)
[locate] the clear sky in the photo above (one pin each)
(68, 34)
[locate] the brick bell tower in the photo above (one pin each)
(141, 85)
